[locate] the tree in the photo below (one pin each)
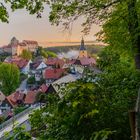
(19, 133)
(41, 51)
(119, 32)
(37, 123)
(51, 54)
(31, 80)
(26, 54)
(9, 76)
(89, 110)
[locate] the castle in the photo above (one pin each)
(16, 48)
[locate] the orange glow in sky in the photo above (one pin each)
(24, 26)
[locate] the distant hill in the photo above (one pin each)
(92, 49)
(67, 44)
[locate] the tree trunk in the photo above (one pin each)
(133, 25)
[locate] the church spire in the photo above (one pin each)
(83, 50)
(82, 46)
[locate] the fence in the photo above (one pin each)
(14, 118)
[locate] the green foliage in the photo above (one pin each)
(2, 119)
(41, 51)
(9, 76)
(96, 110)
(41, 97)
(31, 80)
(33, 7)
(107, 58)
(19, 133)
(51, 54)
(72, 116)
(42, 81)
(37, 123)
(19, 109)
(102, 135)
(100, 108)
(26, 55)
(44, 54)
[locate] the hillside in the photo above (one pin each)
(92, 49)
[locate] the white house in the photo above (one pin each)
(26, 68)
(38, 66)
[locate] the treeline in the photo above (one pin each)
(92, 49)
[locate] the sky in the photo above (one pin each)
(27, 27)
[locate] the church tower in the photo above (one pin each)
(83, 50)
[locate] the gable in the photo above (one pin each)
(51, 89)
(41, 66)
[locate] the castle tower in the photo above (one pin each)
(83, 50)
(14, 43)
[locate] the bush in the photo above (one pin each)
(31, 80)
(19, 109)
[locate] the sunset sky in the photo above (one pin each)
(25, 26)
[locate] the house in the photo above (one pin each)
(37, 66)
(22, 64)
(68, 63)
(30, 98)
(63, 81)
(67, 79)
(43, 88)
(16, 98)
(85, 61)
(11, 101)
(2, 99)
(83, 58)
(5, 106)
(25, 66)
(55, 62)
(51, 89)
(53, 74)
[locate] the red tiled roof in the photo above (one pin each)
(14, 97)
(53, 73)
(85, 61)
(55, 62)
(20, 62)
(70, 61)
(22, 44)
(30, 97)
(43, 88)
(30, 42)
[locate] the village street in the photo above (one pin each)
(23, 85)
